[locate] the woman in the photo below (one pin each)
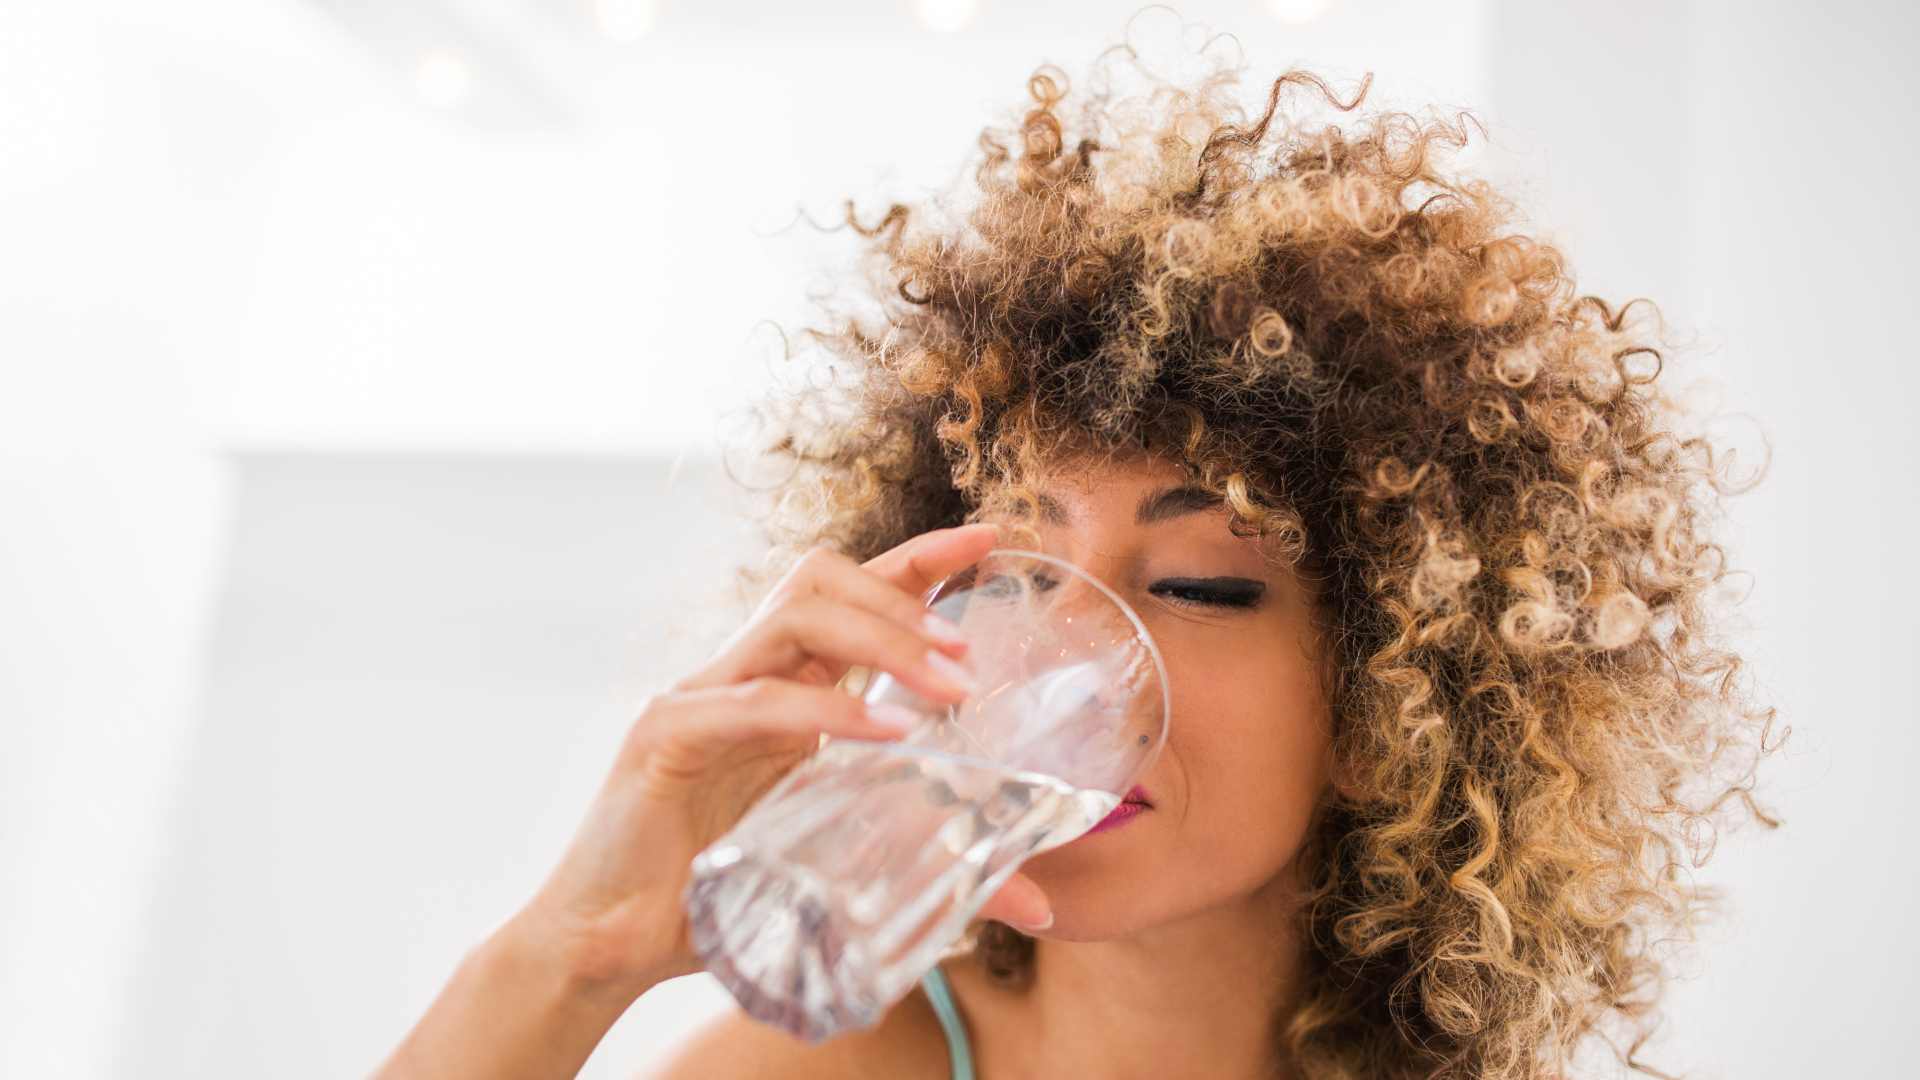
(1423, 545)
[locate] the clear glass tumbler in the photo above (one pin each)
(848, 879)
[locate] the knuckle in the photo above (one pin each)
(779, 611)
(800, 611)
(656, 706)
(801, 572)
(790, 606)
(648, 715)
(817, 560)
(651, 720)
(756, 693)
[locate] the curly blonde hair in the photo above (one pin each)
(1506, 527)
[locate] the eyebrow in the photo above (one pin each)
(1158, 506)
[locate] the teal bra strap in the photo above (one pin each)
(935, 983)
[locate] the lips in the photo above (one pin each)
(1131, 806)
(1121, 814)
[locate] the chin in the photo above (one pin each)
(1097, 911)
(1070, 924)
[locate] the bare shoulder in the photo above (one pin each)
(734, 1044)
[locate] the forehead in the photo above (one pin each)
(1087, 479)
(1118, 464)
(1124, 491)
(1155, 503)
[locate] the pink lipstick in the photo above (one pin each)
(1131, 807)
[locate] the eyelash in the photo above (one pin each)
(1198, 593)
(1241, 594)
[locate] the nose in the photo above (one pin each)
(1085, 551)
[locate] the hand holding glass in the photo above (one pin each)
(842, 886)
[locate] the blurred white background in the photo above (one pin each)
(364, 361)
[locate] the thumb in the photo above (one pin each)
(1020, 903)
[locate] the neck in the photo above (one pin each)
(1197, 997)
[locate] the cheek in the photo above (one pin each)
(1243, 769)
(1253, 744)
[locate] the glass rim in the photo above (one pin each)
(1139, 627)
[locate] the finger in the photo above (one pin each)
(826, 572)
(769, 705)
(920, 563)
(823, 571)
(822, 627)
(1019, 903)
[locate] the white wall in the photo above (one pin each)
(1802, 264)
(1746, 165)
(263, 296)
(420, 669)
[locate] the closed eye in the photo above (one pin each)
(1216, 592)
(1004, 586)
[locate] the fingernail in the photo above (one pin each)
(1039, 925)
(897, 717)
(989, 528)
(950, 671)
(942, 630)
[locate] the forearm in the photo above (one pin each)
(515, 1007)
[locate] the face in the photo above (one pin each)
(1246, 756)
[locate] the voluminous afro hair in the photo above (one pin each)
(1506, 526)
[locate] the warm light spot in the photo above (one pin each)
(1298, 11)
(946, 16)
(442, 79)
(624, 20)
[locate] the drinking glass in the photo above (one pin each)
(853, 874)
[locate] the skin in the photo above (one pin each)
(536, 997)
(1172, 944)
(1172, 947)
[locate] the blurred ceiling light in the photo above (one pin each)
(442, 79)
(1298, 11)
(624, 20)
(946, 16)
